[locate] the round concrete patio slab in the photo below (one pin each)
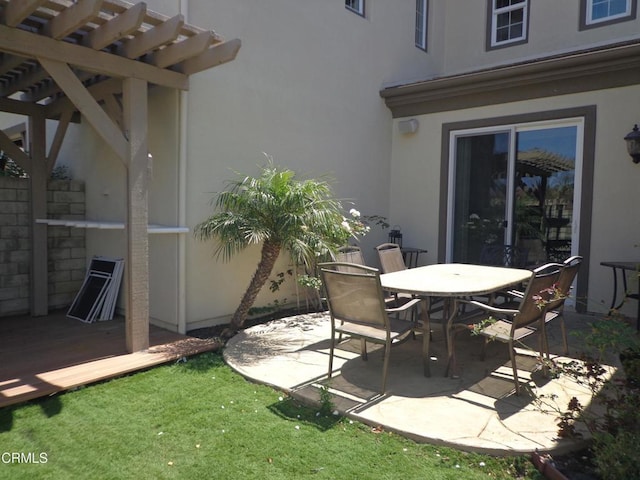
(476, 411)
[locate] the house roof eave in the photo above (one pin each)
(544, 77)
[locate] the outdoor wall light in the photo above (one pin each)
(408, 126)
(633, 144)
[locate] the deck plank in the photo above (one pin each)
(41, 356)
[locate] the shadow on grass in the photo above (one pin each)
(50, 406)
(291, 409)
(202, 362)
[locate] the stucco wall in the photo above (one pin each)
(304, 89)
(553, 29)
(615, 232)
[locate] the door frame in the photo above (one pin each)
(584, 180)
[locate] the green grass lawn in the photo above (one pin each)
(199, 420)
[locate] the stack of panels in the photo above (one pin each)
(98, 295)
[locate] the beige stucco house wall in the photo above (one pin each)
(507, 85)
(303, 89)
(306, 88)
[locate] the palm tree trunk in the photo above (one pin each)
(269, 255)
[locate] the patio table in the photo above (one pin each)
(449, 281)
(624, 267)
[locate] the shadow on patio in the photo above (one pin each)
(477, 411)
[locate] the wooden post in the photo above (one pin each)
(38, 177)
(138, 172)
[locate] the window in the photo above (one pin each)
(515, 184)
(596, 13)
(509, 22)
(421, 24)
(356, 6)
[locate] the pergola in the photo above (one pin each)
(96, 58)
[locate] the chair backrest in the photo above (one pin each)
(504, 256)
(350, 254)
(391, 259)
(354, 296)
(540, 295)
(568, 274)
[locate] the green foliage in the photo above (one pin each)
(300, 215)
(617, 456)
(614, 431)
(61, 172)
(11, 168)
(610, 335)
(279, 212)
(326, 402)
(310, 281)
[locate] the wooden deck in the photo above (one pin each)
(40, 356)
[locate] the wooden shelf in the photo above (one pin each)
(108, 225)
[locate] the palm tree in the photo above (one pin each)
(279, 212)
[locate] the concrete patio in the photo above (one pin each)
(476, 411)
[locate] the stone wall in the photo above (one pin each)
(66, 245)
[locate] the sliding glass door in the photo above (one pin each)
(514, 186)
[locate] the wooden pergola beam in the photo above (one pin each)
(98, 91)
(25, 81)
(135, 113)
(17, 10)
(153, 38)
(50, 89)
(9, 62)
(121, 26)
(180, 51)
(38, 178)
(11, 105)
(26, 44)
(73, 17)
(14, 152)
(56, 144)
(87, 105)
(216, 55)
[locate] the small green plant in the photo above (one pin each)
(326, 403)
(61, 172)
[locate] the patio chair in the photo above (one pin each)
(390, 256)
(357, 307)
(392, 260)
(504, 256)
(538, 306)
(564, 284)
(350, 254)
(567, 275)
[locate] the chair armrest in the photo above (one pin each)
(404, 307)
(515, 293)
(489, 308)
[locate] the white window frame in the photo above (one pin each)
(524, 6)
(422, 17)
(355, 6)
(589, 20)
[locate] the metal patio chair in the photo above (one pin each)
(358, 309)
(529, 315)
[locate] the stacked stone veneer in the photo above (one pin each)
(66, 245)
